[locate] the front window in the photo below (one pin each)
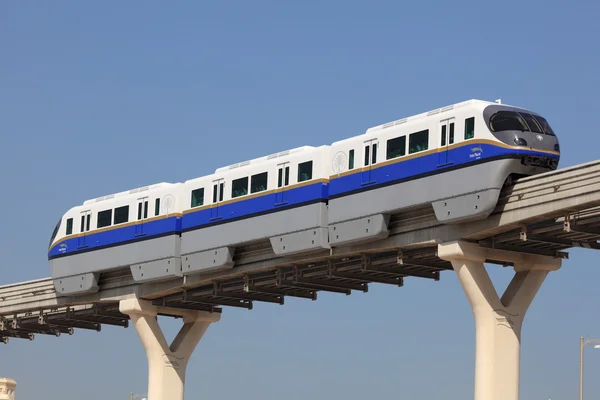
(507, 121)
(533, 125)
(519, 121)
(545, 125)
(55, 232)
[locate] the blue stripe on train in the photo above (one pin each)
(285, 199)
(260, 204)
(462, 155)
(117, 235)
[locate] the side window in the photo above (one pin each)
(374, 155)
(280, 180)
(104, 218)
(69, 226)
(444, 135)
(218, 190)
(157, 207)
(396, 147)
(470, 128)
(145, 209)
(305, 171)
(239, 187)
(258, 182)
(121, 215)
(418, 141)
(85, 223)
(351, 160)
(451, 137)
(197, 197)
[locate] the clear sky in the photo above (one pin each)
(100, 97)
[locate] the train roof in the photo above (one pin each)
(429, 113)
(262, 159)
(129, 192)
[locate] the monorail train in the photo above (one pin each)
(455, 158)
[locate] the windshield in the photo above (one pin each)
(545, 125)
(55, 232)
(519, 121)
(507, 121)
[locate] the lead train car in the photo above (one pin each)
(456, 158)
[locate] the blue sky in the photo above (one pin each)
(96, 98)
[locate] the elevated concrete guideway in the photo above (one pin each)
(536, 220)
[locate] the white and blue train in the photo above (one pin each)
(455, 158)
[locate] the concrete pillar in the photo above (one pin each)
(7, 389)
(498, 320)
(166, 364)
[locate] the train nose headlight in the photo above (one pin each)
(520, 142)
(556, 147)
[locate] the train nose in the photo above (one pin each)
(537, 141)
(545, 142)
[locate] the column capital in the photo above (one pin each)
(532, 262)
(461, 250)
(146, 308)
(138, 306)
(201, 316)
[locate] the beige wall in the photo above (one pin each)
(7, 389)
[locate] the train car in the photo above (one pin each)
(281, 197)
(456, 158)
(138, 229)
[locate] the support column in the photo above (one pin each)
(7, 389)
(166, 364)
(498, 321)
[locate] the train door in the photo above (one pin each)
(86, 217)
(283, 180)
(446, 140)
(370, 158)
(142, 215)
(218, 190)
